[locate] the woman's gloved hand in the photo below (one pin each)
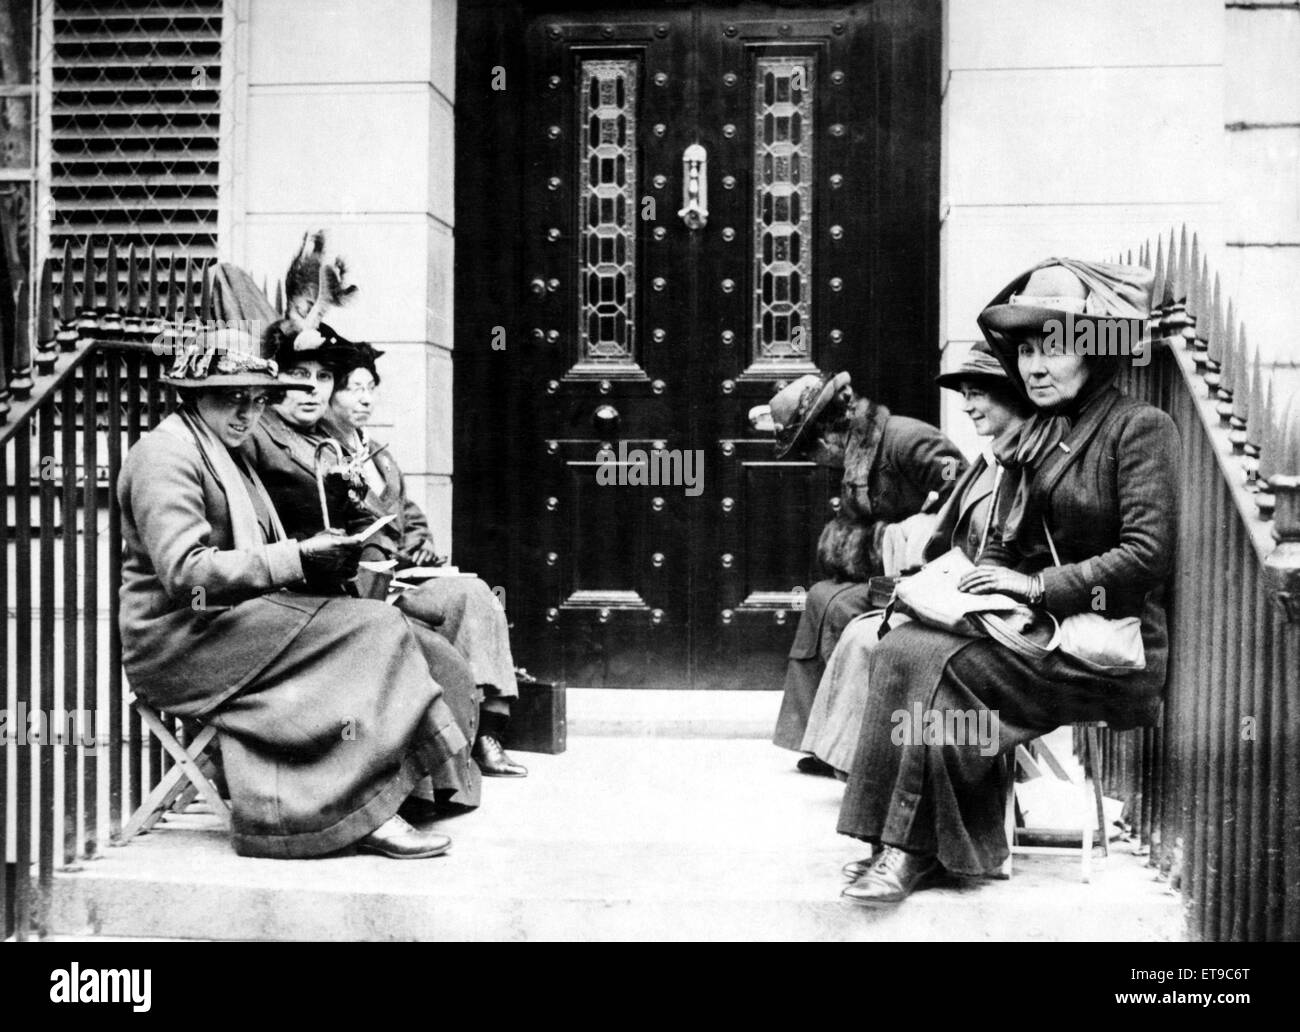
(330, 556)
(423, 554)
(996, 580)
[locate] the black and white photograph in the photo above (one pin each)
(659, 471)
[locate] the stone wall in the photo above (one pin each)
(341, 115)
(1071, 129)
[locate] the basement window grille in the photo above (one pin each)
(135, 130)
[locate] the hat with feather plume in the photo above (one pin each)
(315, 283)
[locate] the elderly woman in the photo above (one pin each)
(1097, 486)
(327, 714)
(997, 409)
(282, 448)
(463, 609)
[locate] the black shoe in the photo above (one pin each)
(855, 869)
(494, 761)
(812, 765)
(891, 878)
(397, 839)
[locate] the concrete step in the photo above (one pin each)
(652, 838)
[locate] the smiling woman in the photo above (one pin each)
(232, 412)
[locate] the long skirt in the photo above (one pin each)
(929, 775)
(327, 740)
(828, 608)
(465, 612)
(836, 717)
(458, 780)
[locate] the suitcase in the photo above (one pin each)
(538, 719)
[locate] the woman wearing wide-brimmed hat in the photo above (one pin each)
(891, 466)
(463, 609)
(326, 712)
(1096, 488)
(997, 409)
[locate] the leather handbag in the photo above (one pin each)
(1106, 646)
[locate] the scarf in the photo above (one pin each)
(866, 428)
(1023, 452)
(244, 526)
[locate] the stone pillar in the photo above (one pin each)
(343, 119)
(1262, 210)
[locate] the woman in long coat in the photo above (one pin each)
(463, 609)
(890, 466)
(1099, 471)
(997, 409)
(327, 715)
(282, 449)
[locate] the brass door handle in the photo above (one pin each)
(695, 187)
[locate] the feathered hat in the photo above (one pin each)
(315, 283)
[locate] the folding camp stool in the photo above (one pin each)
(190, 775)
(1090, 792)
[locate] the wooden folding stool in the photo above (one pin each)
(190, 775)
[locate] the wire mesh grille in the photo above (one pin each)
(136, 124)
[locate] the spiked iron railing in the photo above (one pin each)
(1215, 791)
(69, 409)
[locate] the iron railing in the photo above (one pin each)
(74, 759)
(1214, 791)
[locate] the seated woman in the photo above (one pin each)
(891, 466)
(327, 715)
(997, 409)
(282, 448)
(463, 609)
(1098, 472)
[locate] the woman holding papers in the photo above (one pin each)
(1089, 532)
(463, 608)
(283, 449)
(327, 715)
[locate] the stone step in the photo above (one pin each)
(649, 838)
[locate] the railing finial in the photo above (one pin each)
(88, 324)
(173, 294)
(1255, 411)
(111, 323)
(46, 354)
(151, 311)
(1158, 288)
(205, 294)
(187, 312)
(132, 310)
(20, 382)
(1268, 445)
(1194, 302)
(1180, 277)
(68, 335)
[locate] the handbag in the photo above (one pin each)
(1106, 646)
(1112, 647)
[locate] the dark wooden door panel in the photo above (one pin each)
(639, 332)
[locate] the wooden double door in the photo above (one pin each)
(700, 205)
